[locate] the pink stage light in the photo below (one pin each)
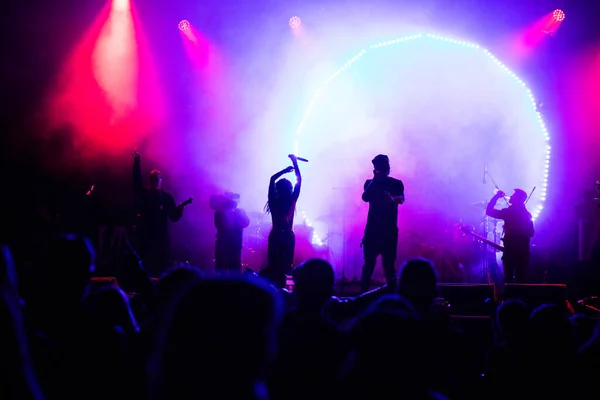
(558, 15)
(120, 5)
(184, 25)
(295, 22)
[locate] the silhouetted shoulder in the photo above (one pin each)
(367, 183)
(397, 186)
(396, 181)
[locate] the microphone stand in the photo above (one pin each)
(495, 184)
(486, 261)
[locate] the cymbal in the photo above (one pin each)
(481, 204)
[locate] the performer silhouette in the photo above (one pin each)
(518, 231)
(155, 207)
(230, 222)
(383, 194)
(281, 205)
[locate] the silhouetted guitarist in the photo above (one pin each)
(518, 231)
(154, 207)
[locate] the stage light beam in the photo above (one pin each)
(120, 5)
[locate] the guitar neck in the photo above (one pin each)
(485, 241)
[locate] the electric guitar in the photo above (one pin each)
(480, 238)
(187, 202)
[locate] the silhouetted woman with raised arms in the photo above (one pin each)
(281, 205)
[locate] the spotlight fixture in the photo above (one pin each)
(184, 25)
(295, 22)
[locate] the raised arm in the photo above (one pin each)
(491, 211)
(138, 186)
(298, 177)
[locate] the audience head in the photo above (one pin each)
(551, 327)
(71, 263)
(394, 335)
(173, 281)
(314, 281)
(417, 283)
(217, 329)
(512, 319)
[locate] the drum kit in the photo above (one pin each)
(256, 238)
(461, 252)
(254, 254)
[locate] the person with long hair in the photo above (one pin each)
(281, 205)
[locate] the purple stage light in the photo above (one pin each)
(295, 22)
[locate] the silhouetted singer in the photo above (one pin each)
(230, 222)
(518, 231)
(384, 194)
(154, 207)
(281, 205)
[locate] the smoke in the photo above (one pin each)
(440, 111)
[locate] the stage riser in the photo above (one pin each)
(468, 299)
(536, 295)
(464, 299)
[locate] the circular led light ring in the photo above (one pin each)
(317, 95)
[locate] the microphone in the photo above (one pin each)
(301, 159)
(484, 174)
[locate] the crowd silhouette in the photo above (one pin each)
(191, 335)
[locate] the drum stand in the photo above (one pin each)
(486, 263)
(485, 266)
(344, 280)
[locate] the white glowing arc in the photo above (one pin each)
(420, 36)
